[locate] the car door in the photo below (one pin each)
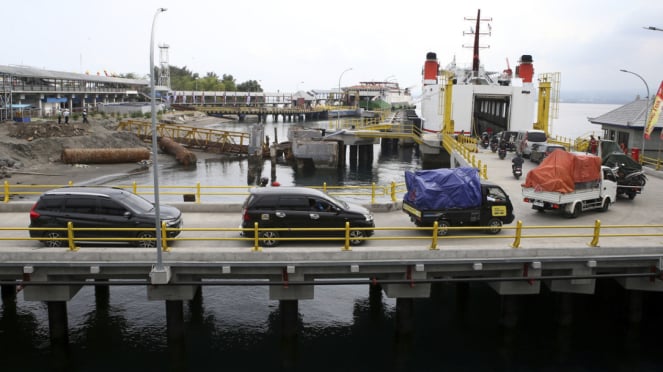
(324, 215)
(81, 211)
(293, 211)
(112, 214)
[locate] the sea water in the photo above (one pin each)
(460, 328)
(388, 165)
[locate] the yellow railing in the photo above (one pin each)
(593, 232)
(391, 192)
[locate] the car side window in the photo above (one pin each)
(266, 202)
(295, 203)
(319, 205)
(80, 205)
(51, 204)
(110, 208)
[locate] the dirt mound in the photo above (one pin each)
(38, 144)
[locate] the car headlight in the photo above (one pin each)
(369, 217)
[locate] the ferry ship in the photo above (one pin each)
(474, 100)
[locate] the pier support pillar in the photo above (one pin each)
(8, 293)
(365, 156)
(635, 306)
(353, 156)
(101, 295)
(564, 308)
(175, 331)
(509, 307)
(175, 321)
(289, 310)
(404, 315)
(375, 299)
(57, 322)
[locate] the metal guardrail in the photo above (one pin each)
(392, 192)
(593, 233)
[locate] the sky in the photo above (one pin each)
(290, 45)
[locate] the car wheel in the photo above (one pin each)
(269, 238)
(606, 205)
(494, 226)
(443, 228)
(148, 241)
(631, 194)
(577, 209)
(53, 243)
(355, 237)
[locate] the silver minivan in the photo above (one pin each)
(527, 138)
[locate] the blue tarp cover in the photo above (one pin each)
(443, 188)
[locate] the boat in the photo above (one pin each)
(380, 95)
(472, 100)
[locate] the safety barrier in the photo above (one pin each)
(392, 192)
(594, 233)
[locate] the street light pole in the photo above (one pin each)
(338, 121)
(644, 124)
(155, 164)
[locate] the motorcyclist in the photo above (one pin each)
(517, 161)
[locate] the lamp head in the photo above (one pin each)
(162, 9)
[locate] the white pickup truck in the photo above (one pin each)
(597, 194)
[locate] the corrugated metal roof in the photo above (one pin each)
(632, 114)
(25, 71)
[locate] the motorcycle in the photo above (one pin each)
(493, 146)
(502, 152)
(517, 170)
(484, 140)
(629, 184)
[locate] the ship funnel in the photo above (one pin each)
(431, 67)
(525, 68)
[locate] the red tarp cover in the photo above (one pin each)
(561, 170)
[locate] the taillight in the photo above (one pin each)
(33, 213)
(245, 215)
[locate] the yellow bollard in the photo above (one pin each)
(6, 192)
(519, 232)
(256, 239)
(393, 191)
(373, 193)
(433, 246)
(198, 192)
(597, 233)
(70, 236)
(164, 235)
(346, 247)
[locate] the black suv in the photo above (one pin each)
(301, 207)
(98, 207)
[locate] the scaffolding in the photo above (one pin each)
(5, 97)
(164, 69)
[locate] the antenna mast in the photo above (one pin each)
(477, 32)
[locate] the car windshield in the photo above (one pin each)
(136, 203)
